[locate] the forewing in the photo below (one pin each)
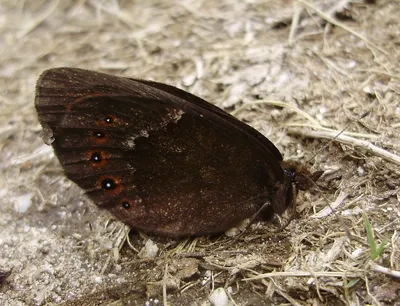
(157, 159)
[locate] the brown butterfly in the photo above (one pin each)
(161, 159)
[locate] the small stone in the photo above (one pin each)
(219, 297)
(149, 250)
(23, 203)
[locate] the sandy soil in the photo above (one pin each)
(297, 71)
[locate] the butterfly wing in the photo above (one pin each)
(160, 159)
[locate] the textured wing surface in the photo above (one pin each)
(160, 159)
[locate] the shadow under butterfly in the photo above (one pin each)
(161, 159)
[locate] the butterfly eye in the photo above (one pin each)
(108, 184)
(96, 157)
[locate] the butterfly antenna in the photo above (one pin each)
(363, 115)
(345, 228)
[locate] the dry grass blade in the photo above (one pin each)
(362, 145)
(378, 268)
(279, 104)
(303, 274)
(343, 26)
(328, 210)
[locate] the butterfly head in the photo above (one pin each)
(296, 177)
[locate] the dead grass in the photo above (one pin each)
(291, 69)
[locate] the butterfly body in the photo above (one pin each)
(160, 159)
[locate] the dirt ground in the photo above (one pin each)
(297, 71)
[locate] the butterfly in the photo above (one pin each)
(161, 159)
